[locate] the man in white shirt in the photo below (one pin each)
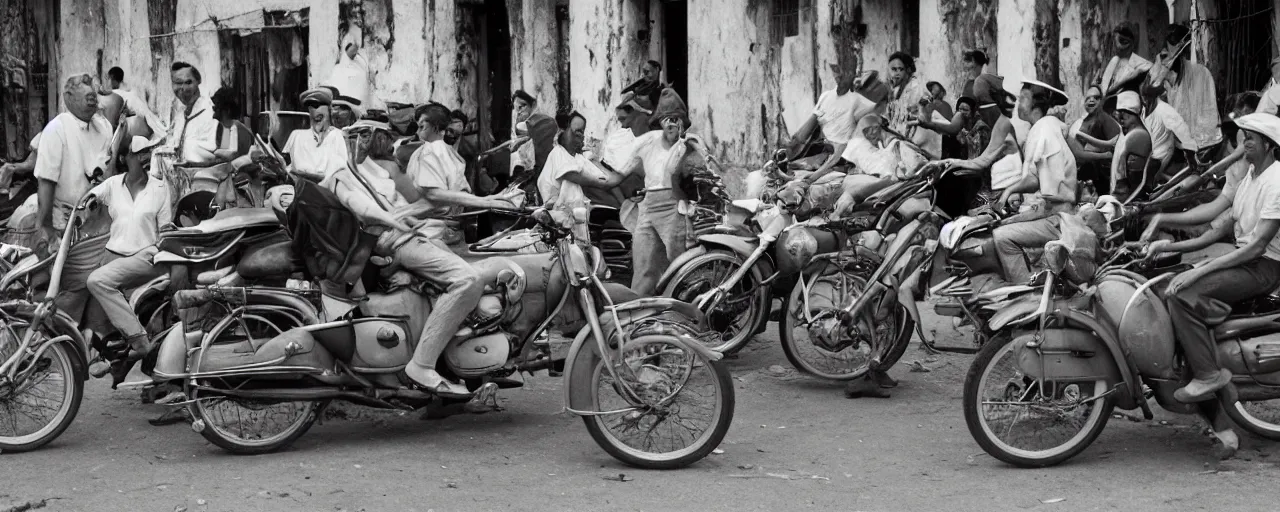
(1048, 176)
(72, 146)
(1166, 127)
(1125, 66)
(140, 208)
(567, 168)
(318, 151)
(616, 150)
(440, 175)
(133, 104)
(193, 131)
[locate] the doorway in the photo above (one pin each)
(494, 87)
(260, 65)
(675, 37)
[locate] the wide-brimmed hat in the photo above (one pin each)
(139, 143)
(1267, 125)
(318, 96)
(1057, 97)
(367, 124)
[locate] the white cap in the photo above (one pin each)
(142, 143)
(1129, 101)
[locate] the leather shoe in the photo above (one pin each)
(1199, 390)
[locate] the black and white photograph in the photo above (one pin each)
(639, 255)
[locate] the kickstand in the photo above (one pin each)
(925, 343)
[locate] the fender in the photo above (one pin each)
(1131, 395)
(153, 287)
(741, 246)
(64, 325)
(639, 309)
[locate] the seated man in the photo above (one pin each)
(319, 151)
(139, 207)
(877, 163)
(1048, 175)
(424, 248)
(1204, 295)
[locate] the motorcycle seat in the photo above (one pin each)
(1241, 326)
(232, 219)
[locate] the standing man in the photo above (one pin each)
(72, 146)
(351, 74)
(193, 132)
(133, 104)
(1126, 67)
(650, 84)
(617, 149)
(1166, 126)
(1191, 91)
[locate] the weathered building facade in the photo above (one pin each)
(750, 70)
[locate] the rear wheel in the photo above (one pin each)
(738, 315)
(1028, 422)
(1261, 417)
(39, 406)
(682, 411)
(246, 426)
(814, 341)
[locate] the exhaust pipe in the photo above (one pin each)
(326, 393)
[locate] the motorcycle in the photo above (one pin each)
(1043, 389)
(852, 310)
(285, 353)
(737, 268)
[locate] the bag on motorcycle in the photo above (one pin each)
(327, 237)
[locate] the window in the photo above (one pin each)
(788, 17)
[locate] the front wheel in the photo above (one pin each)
(738, 315)
(38, 407)
(681, 409)
(813, 339)
(1025, 421)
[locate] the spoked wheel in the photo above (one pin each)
(246, 426)
(1028, 422)
(813, 339)
(737, 315)
(681, 409)
(41, 403)
(1259, 416)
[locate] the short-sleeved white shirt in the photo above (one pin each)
(1254, 199)
(436, 165)
(68, 152)
(839, 113)
(135, 220)
(312, 154)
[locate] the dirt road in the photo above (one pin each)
(796, 443)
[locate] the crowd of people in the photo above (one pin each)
(1144, 120)
(402, 187)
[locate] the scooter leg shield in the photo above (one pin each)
(1065, 355)
(171, 355)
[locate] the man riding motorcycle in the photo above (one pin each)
(1203, 295)
(140, 208)
(1048, 173)
(423, 249)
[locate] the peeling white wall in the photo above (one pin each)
(935, 50)
(732, 78)
(1015, 28)
(533, 52)
(595, 41)
(883, 19)
(81, 34)
(1070, 36)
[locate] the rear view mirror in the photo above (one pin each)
(780, 156)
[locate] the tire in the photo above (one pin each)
(205, 421)
(73, 376)
(1250, 420)
(791, 347)
(693, 279)
(588, 369)
(990, 353)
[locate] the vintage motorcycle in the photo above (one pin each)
(636, 370)
(734, 271)
(852, 310)
(1043, 389)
